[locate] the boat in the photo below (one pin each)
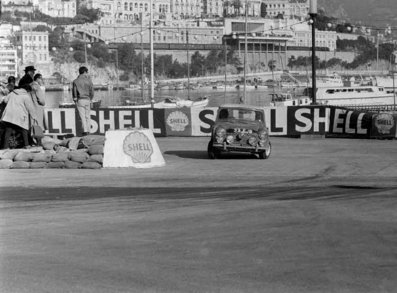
(175, 102)
(95, 104)
(388, 81)
(168, 103)
(354, 96)
(328, 80)
(288, 99)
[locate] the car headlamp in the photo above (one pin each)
(262, 134)
(252, 140)
(220, 132)
(230, 139)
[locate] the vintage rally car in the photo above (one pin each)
(239, 128)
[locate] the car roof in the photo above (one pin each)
(241, 106)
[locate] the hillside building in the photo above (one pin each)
(34, 47)
(58, 8)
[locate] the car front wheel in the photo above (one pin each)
(212, 153)
(266, 153)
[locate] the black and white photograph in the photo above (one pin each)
(198, 146)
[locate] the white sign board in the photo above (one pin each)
(132, 148)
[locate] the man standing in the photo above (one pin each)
(28, 77)
(83, 93)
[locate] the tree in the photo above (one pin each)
(91, 15)
(79, 56)
(56, 38)
(197, 64)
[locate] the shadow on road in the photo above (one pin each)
(202, 155)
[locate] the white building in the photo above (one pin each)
(58, 8)
(6, 30)
(132, 10)
(303, 37)
(286, 8)
(213, 8)
(187, 8)
(34, 46)
(8, 61)
(107, 7)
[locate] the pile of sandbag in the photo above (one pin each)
(71, 153)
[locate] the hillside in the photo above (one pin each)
(378, 13)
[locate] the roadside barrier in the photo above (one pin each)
(291, 121)
(83, 153)
(132, 148)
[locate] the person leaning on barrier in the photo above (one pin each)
(16, 114)
(83, 93)
(38, 97)
(28, 77)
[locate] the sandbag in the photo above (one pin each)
(93, 139)
(38, 165)
(91, 165)
(50, 139)
(60, 157)
(41, 157)
(23, 156)
(20, 165)
(5, 163)
(74, 143)
(96, 158)
(78, 156)
(56, 165)
(8, 154)
(96, 149)
(48, 145)
(72, 165)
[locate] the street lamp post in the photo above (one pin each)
(313, 15)
(151, 55)
(224, 40)
(245, 52)
(142, 65)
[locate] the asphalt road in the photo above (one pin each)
(318, 216)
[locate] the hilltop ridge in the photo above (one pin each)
(379, 13)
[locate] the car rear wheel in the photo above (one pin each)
(266, 153)
(212, 153)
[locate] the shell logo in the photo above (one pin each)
(138, 146)
(384, 122)
(177, 120)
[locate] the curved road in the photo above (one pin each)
(319, 216)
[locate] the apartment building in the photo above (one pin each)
(132, 10)
(8, 61)
(34, 46)
(189, 8)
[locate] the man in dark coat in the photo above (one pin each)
(28, 77)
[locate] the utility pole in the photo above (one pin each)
(142, 62)
(188, 64)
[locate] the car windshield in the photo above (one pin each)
(242, 114)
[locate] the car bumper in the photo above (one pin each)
(224, 147)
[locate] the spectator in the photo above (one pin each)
(38, 96)
(28, 77)
(16, 114)
(83, 93)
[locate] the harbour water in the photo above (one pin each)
(254, 96)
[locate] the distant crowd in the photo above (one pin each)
(22, 107)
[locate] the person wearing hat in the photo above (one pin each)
(28, 77)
